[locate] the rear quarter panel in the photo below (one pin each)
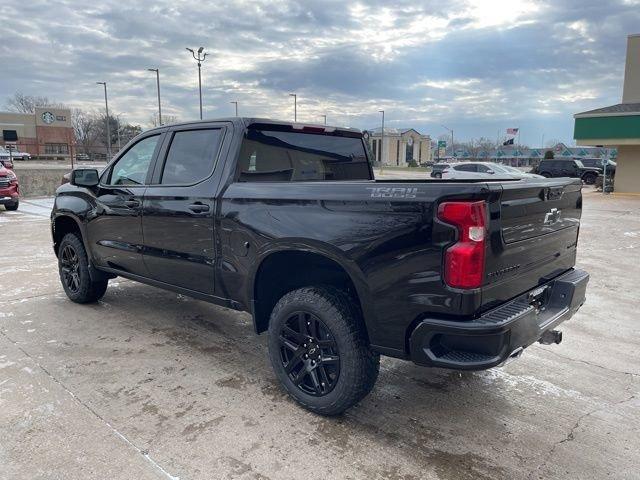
(383, 235)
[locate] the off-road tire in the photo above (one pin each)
(358, 364)
(12, 206)
(589, 178)
(87, 291)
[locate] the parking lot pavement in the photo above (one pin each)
(150, 384)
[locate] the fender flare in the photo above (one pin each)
(322, 249)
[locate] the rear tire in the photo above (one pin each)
(12, 206)
(319, 351)
(589, 178)
(73, 265)
(437, 175)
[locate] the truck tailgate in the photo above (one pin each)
(533, 236)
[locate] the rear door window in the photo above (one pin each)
(287, 156)
(191, 157)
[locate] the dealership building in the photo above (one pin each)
(399, 146)
(46, 134)
(618, 125)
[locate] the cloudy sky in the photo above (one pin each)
(476, 66)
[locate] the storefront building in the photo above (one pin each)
(618, 125)
(45, 134)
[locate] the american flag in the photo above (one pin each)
(512, 131)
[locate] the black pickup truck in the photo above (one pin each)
(285, 221)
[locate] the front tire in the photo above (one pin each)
(12, 206)
(589, 179)
(73, 265)
(319, 352)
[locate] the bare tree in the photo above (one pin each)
(166, 120)
(21, 103)
(84, 128)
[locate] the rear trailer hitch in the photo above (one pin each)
(550, 336)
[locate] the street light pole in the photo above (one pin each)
(325, 118)
(199, 59)
(236, 104)
(158, 83)
(382, 139)
(453, 151)
(295, 106)
(106, 106)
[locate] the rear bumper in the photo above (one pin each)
(498, 334)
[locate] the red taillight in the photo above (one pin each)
(464, 261)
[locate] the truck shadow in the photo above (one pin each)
(428, 412)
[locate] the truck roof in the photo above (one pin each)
(247, 121)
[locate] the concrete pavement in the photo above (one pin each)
(150, 384)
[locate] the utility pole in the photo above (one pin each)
(106, 106)
(199, 59)
(295, 106)
(158, 84)
(236, 104)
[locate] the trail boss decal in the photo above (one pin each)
(393, 192)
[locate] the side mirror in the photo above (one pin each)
(84, 177)
(490, 172)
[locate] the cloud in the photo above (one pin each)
(475, 65)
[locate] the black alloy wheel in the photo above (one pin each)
(73, 265)
(70, 268)
(319, 350)
(309, 354)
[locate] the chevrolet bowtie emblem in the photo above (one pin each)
(552, 216)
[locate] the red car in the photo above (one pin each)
(9, 191)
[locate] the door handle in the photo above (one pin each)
(199, 207)
(132, 203)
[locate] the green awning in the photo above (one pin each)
(612, 127)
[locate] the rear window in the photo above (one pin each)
(284, 156)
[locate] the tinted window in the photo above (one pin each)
(272, 156)
(484, 168)
(191, 156)
(466, 167)
(132, 167)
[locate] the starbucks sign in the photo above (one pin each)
(48, 117)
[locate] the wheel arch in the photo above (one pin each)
(63, 224)
(282, 270)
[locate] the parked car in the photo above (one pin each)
(14, 154)
(9, 189)
(599, 163)
(438, 168)
(554, 168)
(286, 221)
(466, 170)
(6, 163)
